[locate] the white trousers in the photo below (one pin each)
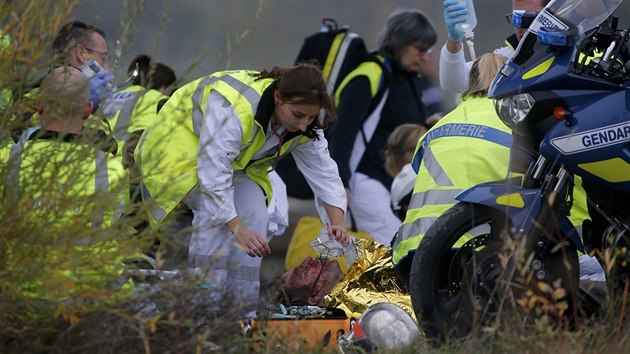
(228, 276)
(370, 205)
(590, 269)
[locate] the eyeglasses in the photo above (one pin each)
(523, 20)
(423, 50)
(103, 55)
(508, 17)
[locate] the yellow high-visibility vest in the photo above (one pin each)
(167, 151)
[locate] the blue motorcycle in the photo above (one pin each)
(565, 93)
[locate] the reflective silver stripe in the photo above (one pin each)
(154, 209)
(419, 226)
(579, 230)
(246, 273)
(365, 134)
(435, 170)
(343, 49)
(207, 261)
(121, 130)
(101, 183)
(251, 95)
(12, 187)
(433, 197)
(197, 110)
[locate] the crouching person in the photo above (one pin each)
(212, 147)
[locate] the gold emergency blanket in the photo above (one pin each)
(371, 279)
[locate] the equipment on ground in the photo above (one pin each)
(383, 326)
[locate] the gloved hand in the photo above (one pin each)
(99, 90)
(454, 13)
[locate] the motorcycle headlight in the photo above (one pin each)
(513, 110)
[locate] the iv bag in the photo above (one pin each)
(468, 26)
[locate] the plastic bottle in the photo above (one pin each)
(468, 26)
(327, 247)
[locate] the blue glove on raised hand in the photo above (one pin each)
(99, 90)
(454, 13)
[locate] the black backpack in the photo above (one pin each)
(336, 50)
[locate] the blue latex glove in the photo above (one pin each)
(454, 13)
(99, 87)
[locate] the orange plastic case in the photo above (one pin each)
(302, 334)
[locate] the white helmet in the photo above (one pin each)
(382, 326)
(402, 185)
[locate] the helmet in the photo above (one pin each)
(381, 326)
(402, 187)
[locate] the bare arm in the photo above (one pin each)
(337, 226)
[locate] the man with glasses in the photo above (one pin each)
(78, 42)
(453, 66)
(75, 45)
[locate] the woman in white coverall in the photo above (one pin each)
(234, 126)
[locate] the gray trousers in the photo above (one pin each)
(227, 275)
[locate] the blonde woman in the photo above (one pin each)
(401, 145)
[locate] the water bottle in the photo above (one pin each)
(468, 26)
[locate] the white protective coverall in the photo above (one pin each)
(222, 194)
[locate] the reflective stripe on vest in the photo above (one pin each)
(419, 226)
(462, 130)
(246, 91)
(433, 197)
(435, 169)
(154, 209)
(121, 129)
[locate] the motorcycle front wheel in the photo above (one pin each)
(463, 275)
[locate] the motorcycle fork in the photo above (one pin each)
(542, 238)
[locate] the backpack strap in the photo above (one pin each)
(378, 71)
(338, 50)
(383, 84)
